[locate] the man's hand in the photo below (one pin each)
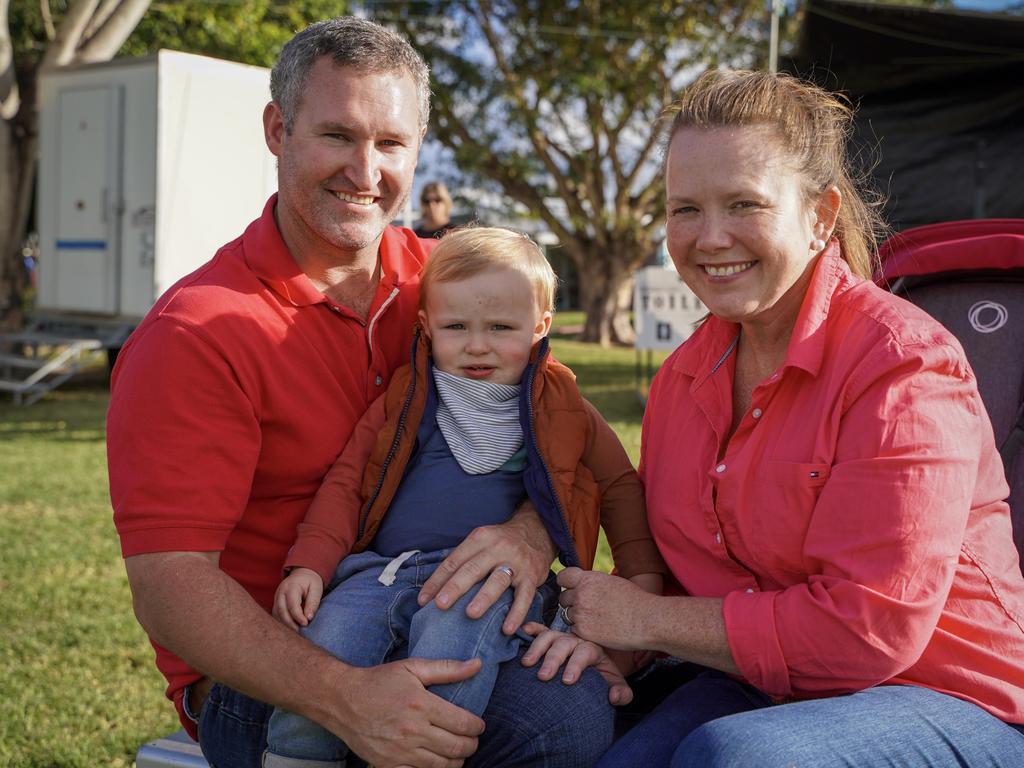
(521, 543)
(558, 648)
(390, 719)
(298, 597)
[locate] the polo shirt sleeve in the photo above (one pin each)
(183, 441)
(884, 536)
(330, 527)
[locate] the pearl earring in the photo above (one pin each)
(817, 245)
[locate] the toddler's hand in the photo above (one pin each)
(558, 648)
(298, 598)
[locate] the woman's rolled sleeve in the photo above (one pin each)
(754, 640)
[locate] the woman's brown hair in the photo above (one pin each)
(813, 125)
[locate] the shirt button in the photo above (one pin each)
(749, 590)
(378, 381)
(720, 468)
(718, 538)
(335, 309)
(756, 413)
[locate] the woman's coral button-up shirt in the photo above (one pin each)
(854, 523)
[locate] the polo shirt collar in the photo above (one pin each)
(269, 258)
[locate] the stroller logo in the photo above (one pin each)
(987, 316)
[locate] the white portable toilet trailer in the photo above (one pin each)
(147, 166)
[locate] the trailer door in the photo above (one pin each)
(88, 199)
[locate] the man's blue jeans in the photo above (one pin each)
(529, 722)
(715, 721)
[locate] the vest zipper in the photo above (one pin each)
(574, 555)
(394, 442)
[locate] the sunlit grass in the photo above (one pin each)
(77, 681)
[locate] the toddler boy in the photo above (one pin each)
(480, 419)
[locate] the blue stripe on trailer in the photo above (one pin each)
(82, 245)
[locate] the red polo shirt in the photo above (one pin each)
(855, 522)
(235, 395)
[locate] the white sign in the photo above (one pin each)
(665, 311)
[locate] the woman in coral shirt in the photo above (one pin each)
(821, 477)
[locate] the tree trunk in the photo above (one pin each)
(605, 292)
(18, 142)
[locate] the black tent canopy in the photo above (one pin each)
(941, 102)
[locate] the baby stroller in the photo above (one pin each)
(969, 275)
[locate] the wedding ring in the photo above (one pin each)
(564, 613)
(507, 570)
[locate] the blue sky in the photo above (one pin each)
(983, 5)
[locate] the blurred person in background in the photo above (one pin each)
(436, 210)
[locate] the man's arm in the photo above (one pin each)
(188, 605)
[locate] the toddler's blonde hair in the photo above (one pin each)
(465, 253)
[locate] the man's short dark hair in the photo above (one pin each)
(350, 42)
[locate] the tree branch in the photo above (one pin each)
(106, 8)
(69, 34)
(44, 11)
(517, 188)
(594, 174)
(540, 143)
(10, 100)
(652, 139)
(114, 31)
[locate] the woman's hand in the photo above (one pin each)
(604, 609)
(517, 554)
(298, 598)
(617, 614)
(558, 648)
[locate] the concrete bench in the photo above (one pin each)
(174, 751)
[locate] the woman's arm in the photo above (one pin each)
(615, 613)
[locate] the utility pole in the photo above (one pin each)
(773, 39)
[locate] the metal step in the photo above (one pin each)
(46, 363)
(174, 751)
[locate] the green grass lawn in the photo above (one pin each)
(77, 681)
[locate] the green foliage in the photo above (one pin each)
(250, 31)
(28, 33)
(77, 683)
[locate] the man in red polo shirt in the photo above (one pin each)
(240, 388)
